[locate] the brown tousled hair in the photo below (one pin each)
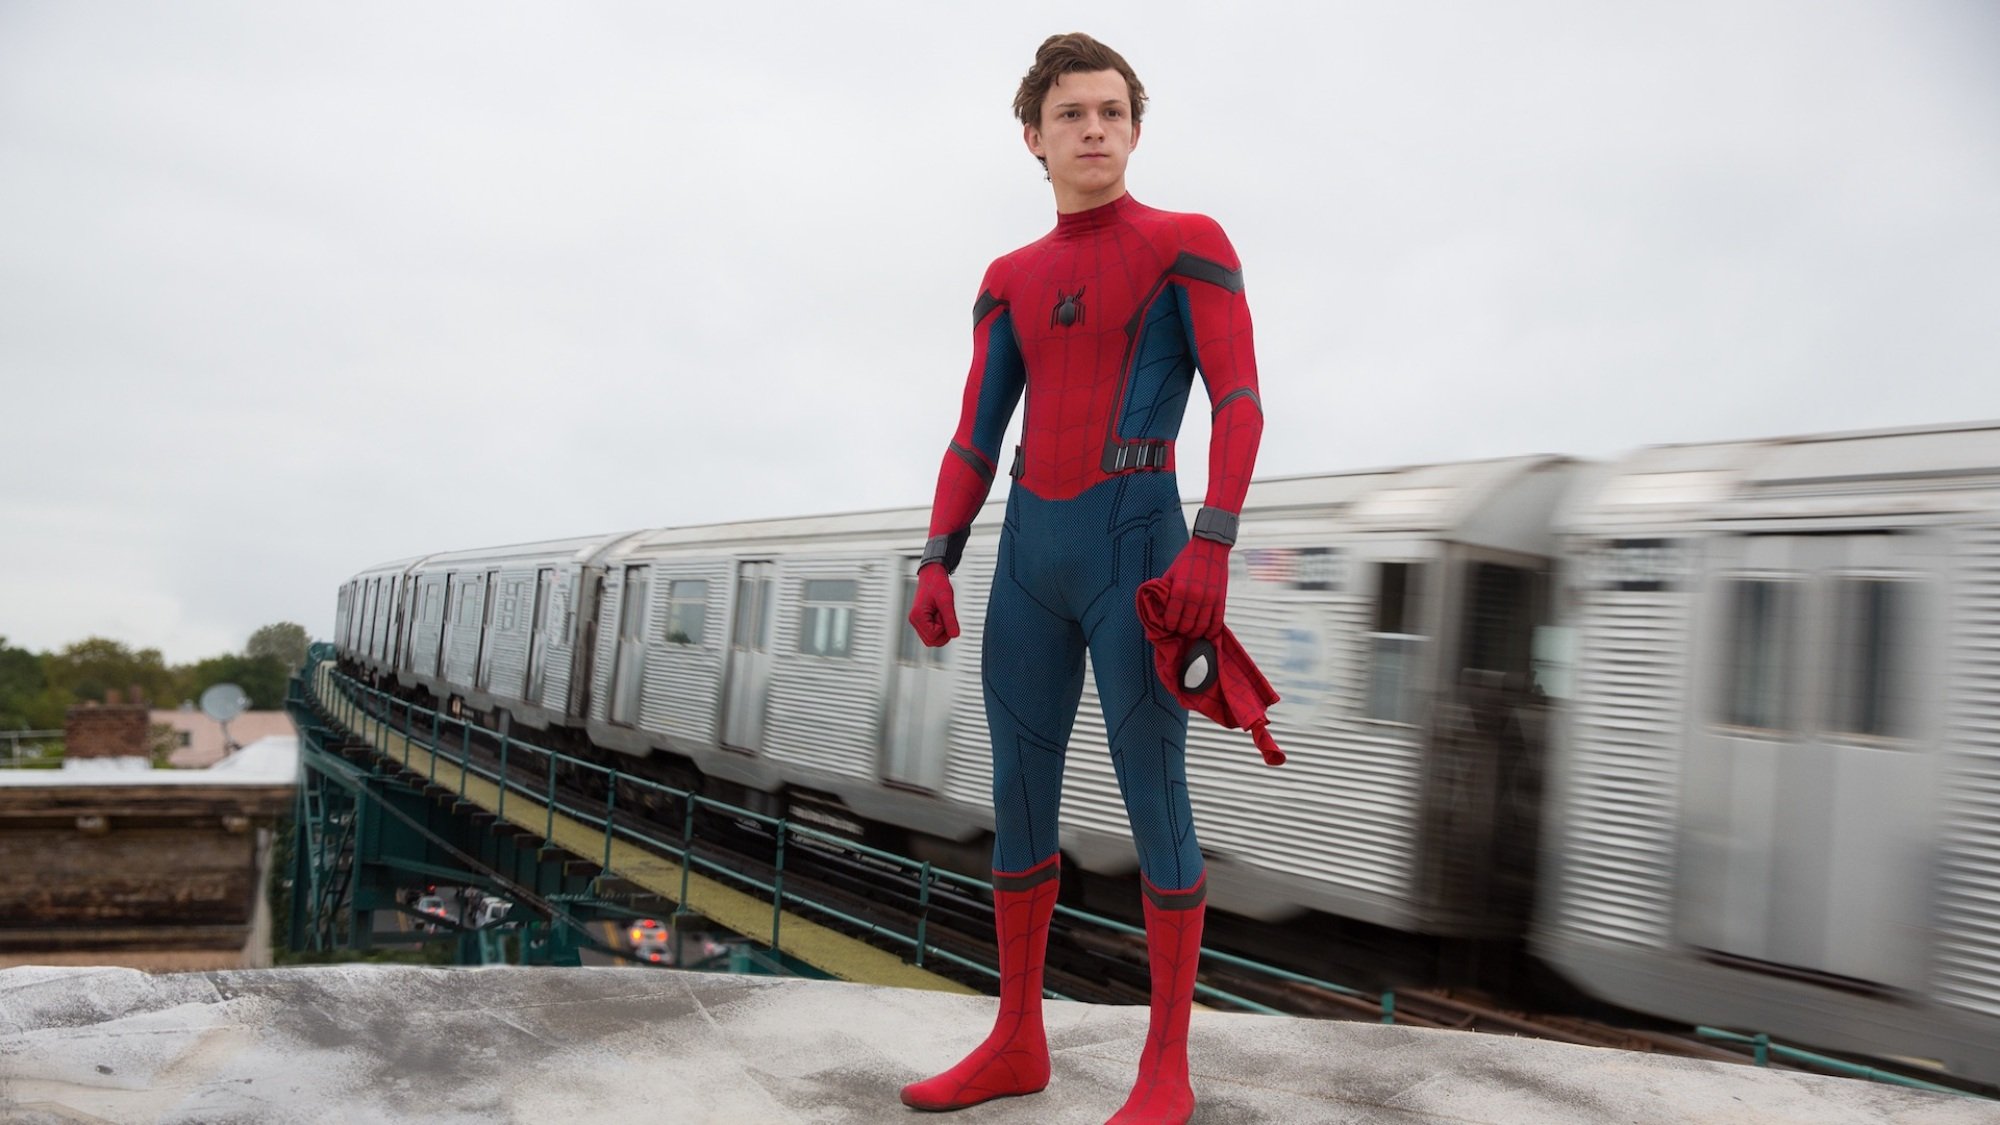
(1069, 54)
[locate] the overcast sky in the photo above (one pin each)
(289, 289)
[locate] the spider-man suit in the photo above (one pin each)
(1103, 322)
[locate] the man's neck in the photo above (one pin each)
(1068, 201)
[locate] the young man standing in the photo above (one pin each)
(1102, 323)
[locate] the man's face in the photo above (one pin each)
(1087, 132)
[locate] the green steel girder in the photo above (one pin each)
(365, 832)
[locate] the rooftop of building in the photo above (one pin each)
(391, 1043)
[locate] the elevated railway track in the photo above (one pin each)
(632, 844)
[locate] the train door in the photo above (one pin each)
(1805, 804)
(748, 677)
(368, 595)
(399, 633)
(592, 583)
(1482, 781)
(413, 617)
(919, 703)
(344, 607)
(483, 662)
(628, 666)
(445, 630)
(538, 638)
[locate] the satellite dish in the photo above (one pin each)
(224, 702)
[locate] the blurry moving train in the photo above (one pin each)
(1715, 727)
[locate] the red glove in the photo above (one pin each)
(934, 615)
(1197, 587)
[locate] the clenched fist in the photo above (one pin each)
(933, 615)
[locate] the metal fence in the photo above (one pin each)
(378, 707)
(28, 749)
(430, 727)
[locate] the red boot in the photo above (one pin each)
(1015, 1057)
(1173, 946)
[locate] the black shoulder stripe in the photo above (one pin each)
(1232, 396)
(1201, 269)
(986, 303)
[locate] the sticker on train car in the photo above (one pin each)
(1292, 568)
(1299, 673)
(1634, 564)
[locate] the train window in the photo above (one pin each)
(510, 606)
(751, 631)
(687, 608)
(545, 582)
(1868, 635)
(764, 600)
(1498, 629)
(1397, 587)
(1395, 646)
(1554, 661)
(746, 613)
(632, 613)
(827, 624)
(1757, 690)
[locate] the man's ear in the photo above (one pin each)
(1135, 135)
(1032, 137)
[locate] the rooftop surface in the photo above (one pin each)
(381, 1043)
(273, 760)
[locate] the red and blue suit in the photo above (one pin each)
(1101, 326)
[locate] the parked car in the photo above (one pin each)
(436, 914)
(650, 941)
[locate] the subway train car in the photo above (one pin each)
(1715, 727)
(1394, 609)
(1775, 799)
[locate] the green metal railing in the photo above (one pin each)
(927, 877)
(1764, 1049)
(380, 706)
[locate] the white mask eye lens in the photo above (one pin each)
(1196, 672)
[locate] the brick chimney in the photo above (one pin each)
(106, 730)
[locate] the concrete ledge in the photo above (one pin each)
(368, 1043)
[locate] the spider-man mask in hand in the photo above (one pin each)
(1230, 689)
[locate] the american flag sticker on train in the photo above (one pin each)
(1271, 564)
(1300, 568)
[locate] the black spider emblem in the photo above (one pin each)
(1068, 310)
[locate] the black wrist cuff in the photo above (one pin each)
(1217, 525)
(946, 549)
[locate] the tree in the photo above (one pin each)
(284, 642)
(26, 701)
(92, 668)
(262, 678)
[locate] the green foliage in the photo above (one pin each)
(38, 689)
(284, 642)
(161, 742)
(27, 701)
(262, 678)
(91, 669)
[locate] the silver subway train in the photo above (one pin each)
(1715, 727)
